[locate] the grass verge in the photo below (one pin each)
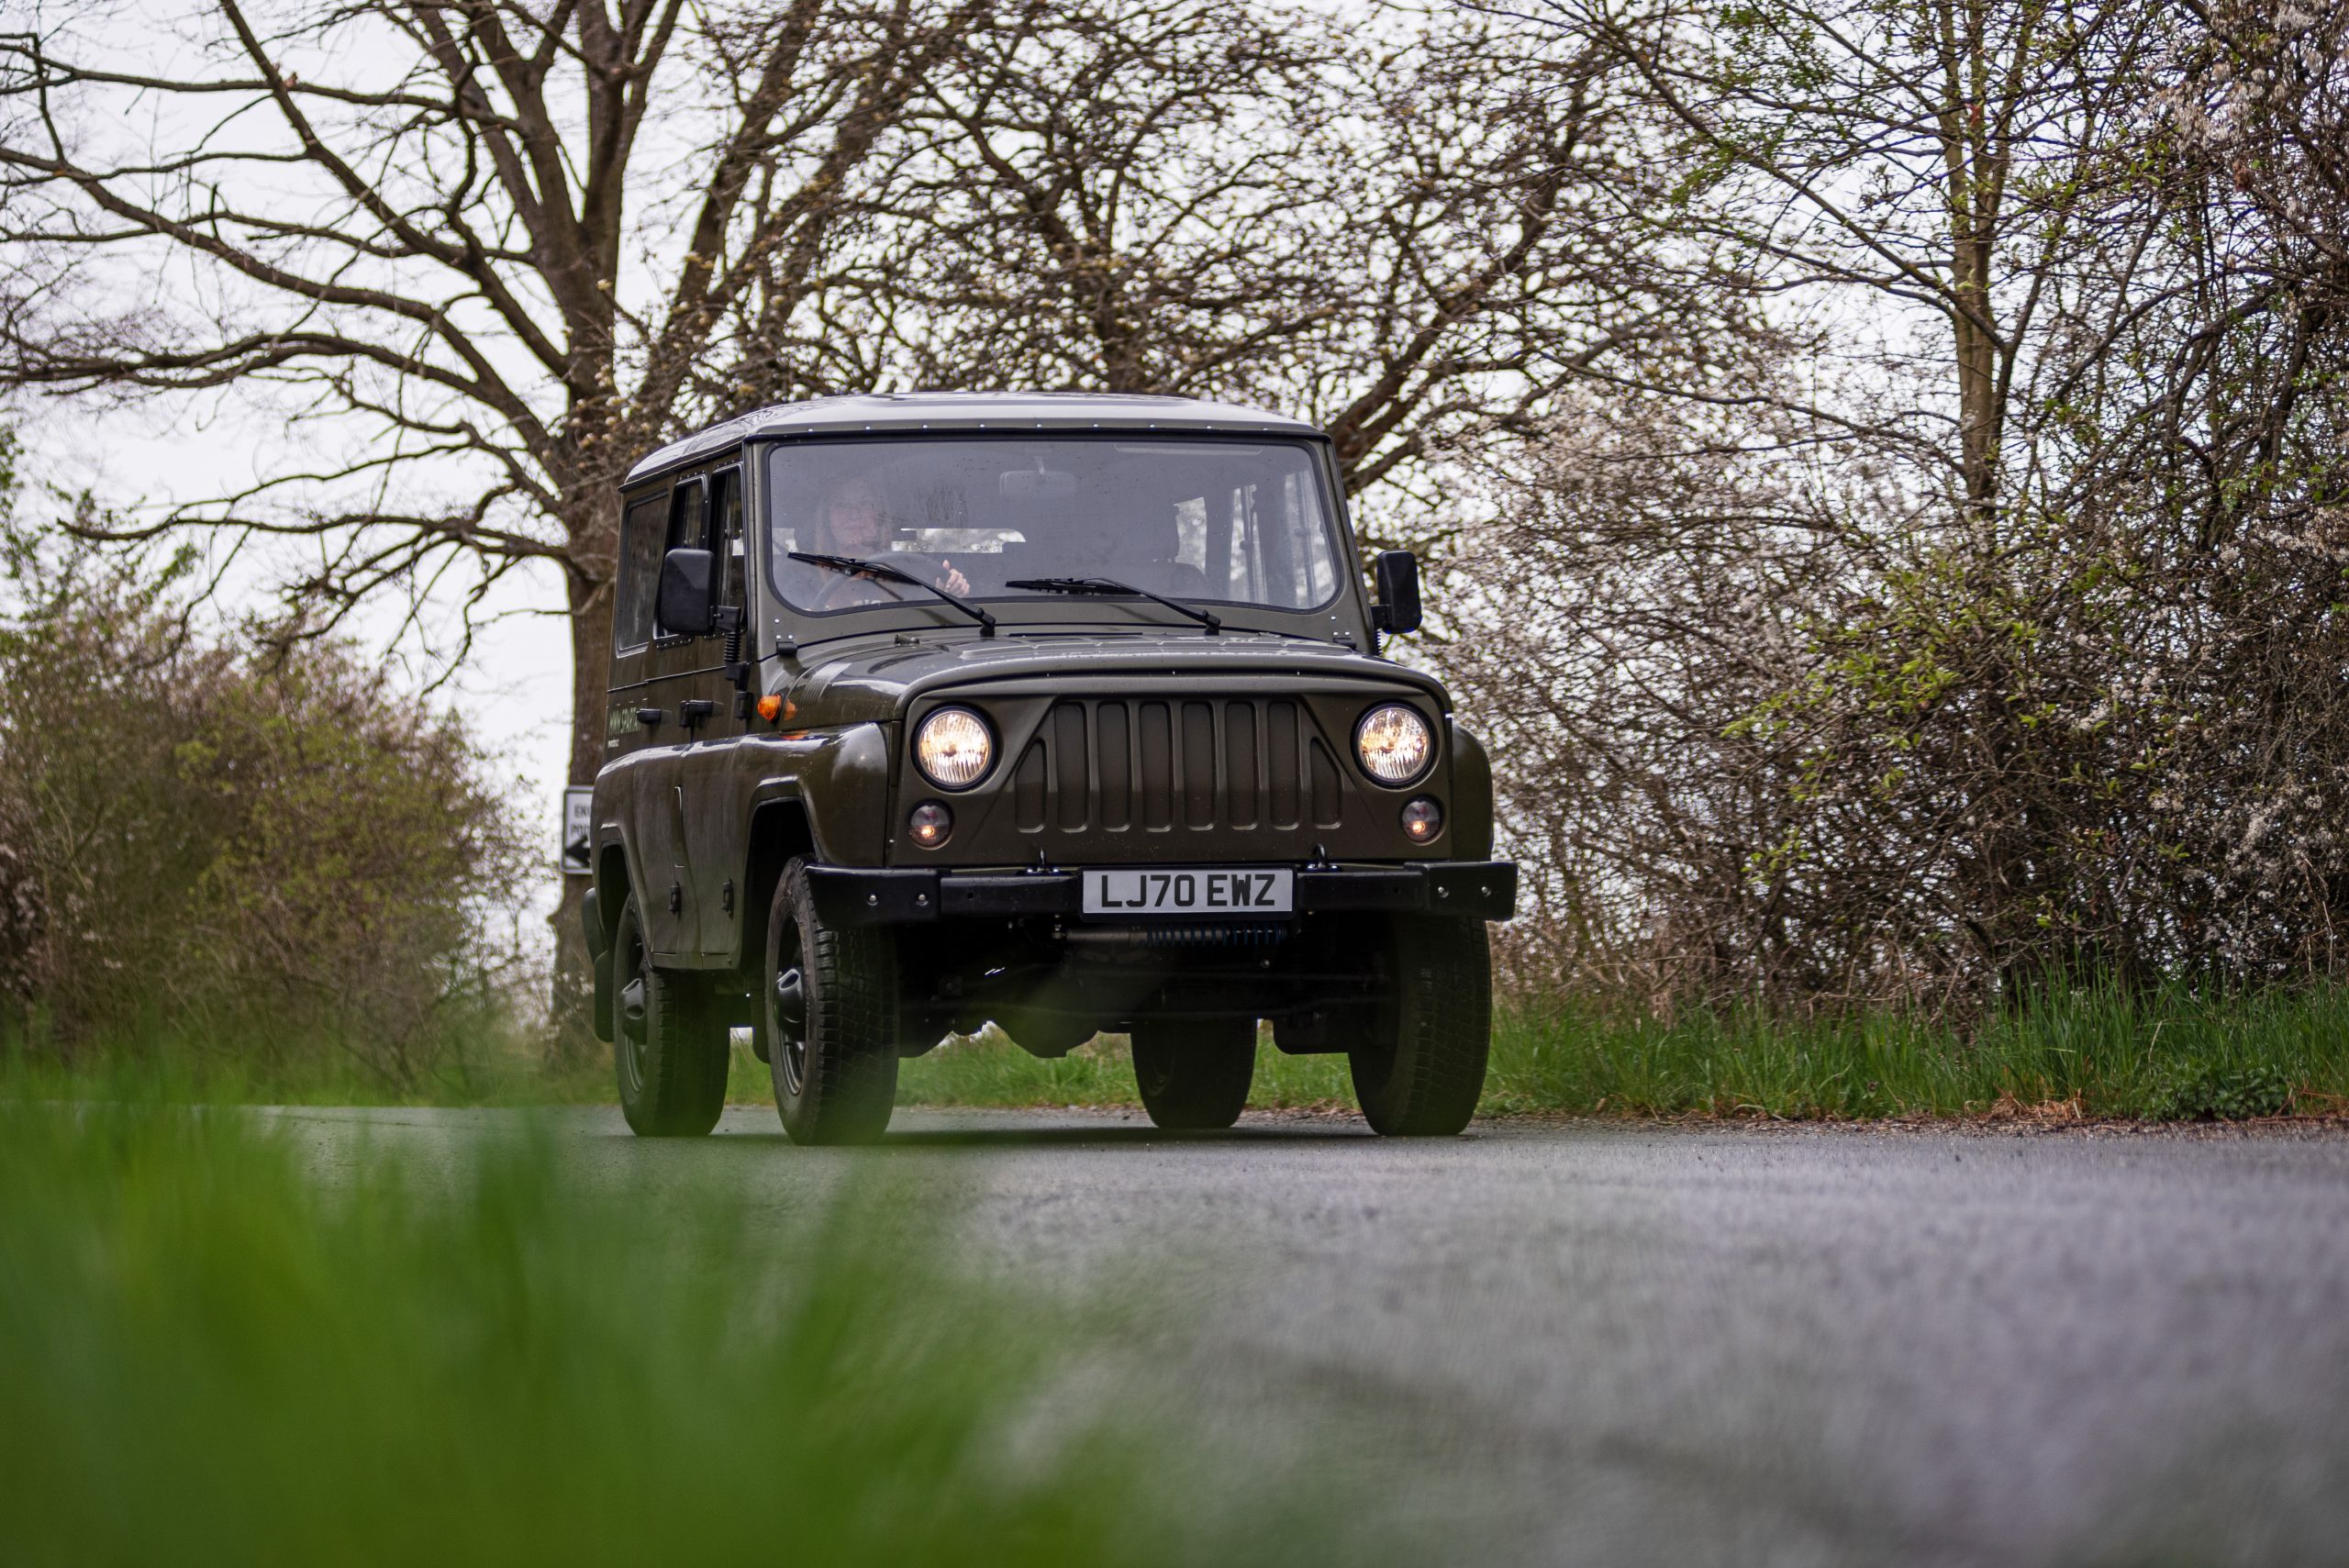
(504, 1066)
(209, 1355)
(2087, 1052)
(990, 1069)
(2171, 1054)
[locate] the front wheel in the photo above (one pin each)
(1194, 1076)
(830, 997)
(669, 1048)
(1423, 1069)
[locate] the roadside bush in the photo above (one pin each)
(265, 861)
(2212, 1091)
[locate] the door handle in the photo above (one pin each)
(650, 718)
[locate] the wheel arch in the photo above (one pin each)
(780, 829)
(611, 894)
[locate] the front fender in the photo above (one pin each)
(841, 779)
(1472, 794)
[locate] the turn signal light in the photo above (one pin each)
(1422, 819)
(771, 707)
(929, 824)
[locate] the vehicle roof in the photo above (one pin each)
(946, 411)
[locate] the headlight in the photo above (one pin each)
(953, 748)
(1393, 744)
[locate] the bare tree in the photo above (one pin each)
(1928, 157)
(481, 250)
(1409, 227)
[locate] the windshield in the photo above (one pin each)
(1201, 521)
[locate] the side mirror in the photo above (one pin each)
(684, 608)
(1398, 575)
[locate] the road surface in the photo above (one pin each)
(1613, 1344)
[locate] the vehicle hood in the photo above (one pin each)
(864, 680)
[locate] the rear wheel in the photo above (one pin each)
(1423, 1070)
(1194, 1075)
(830, 1000)
(669, 1046)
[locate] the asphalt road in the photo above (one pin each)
(1607, 1344)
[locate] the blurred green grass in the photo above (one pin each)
(209, 1355)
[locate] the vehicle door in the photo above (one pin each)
(721, 775)
(655, 683)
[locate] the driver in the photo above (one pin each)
(853, 521)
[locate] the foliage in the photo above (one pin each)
(2207, 1092)
(1995, 629)
(210, 1354)
(213, 849)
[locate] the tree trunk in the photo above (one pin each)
(595, 536)
(591, 663)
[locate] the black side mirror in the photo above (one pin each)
(684, 608)
(1398, 575)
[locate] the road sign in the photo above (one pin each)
(578, 813)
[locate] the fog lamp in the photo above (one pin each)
(1422, 819)
(929, 824)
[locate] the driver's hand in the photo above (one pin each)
(953, 582)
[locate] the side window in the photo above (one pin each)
(725, 536)
(642, 534)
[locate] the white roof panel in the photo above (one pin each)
(945, 411)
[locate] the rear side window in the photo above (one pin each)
(685, 505)
(643, 532)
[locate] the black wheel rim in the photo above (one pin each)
(787, 1015)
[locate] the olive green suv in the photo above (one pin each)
(1065, 712)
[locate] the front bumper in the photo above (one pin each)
(851, 895)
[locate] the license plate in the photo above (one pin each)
(1196, 890)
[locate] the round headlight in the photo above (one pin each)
(953, 748)
(1394, 744)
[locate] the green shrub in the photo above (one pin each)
(2210, 1091)
(272, 859)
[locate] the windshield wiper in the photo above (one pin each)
(1110, 587)
(852, 565)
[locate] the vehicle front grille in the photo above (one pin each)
(1115, 764)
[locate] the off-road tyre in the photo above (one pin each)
(1194, 1074)
(669, 1044)
(835, 1063)
(1423, 1070)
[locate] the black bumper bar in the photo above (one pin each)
(850, 895)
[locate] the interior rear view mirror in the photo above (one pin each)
(1036, 483)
